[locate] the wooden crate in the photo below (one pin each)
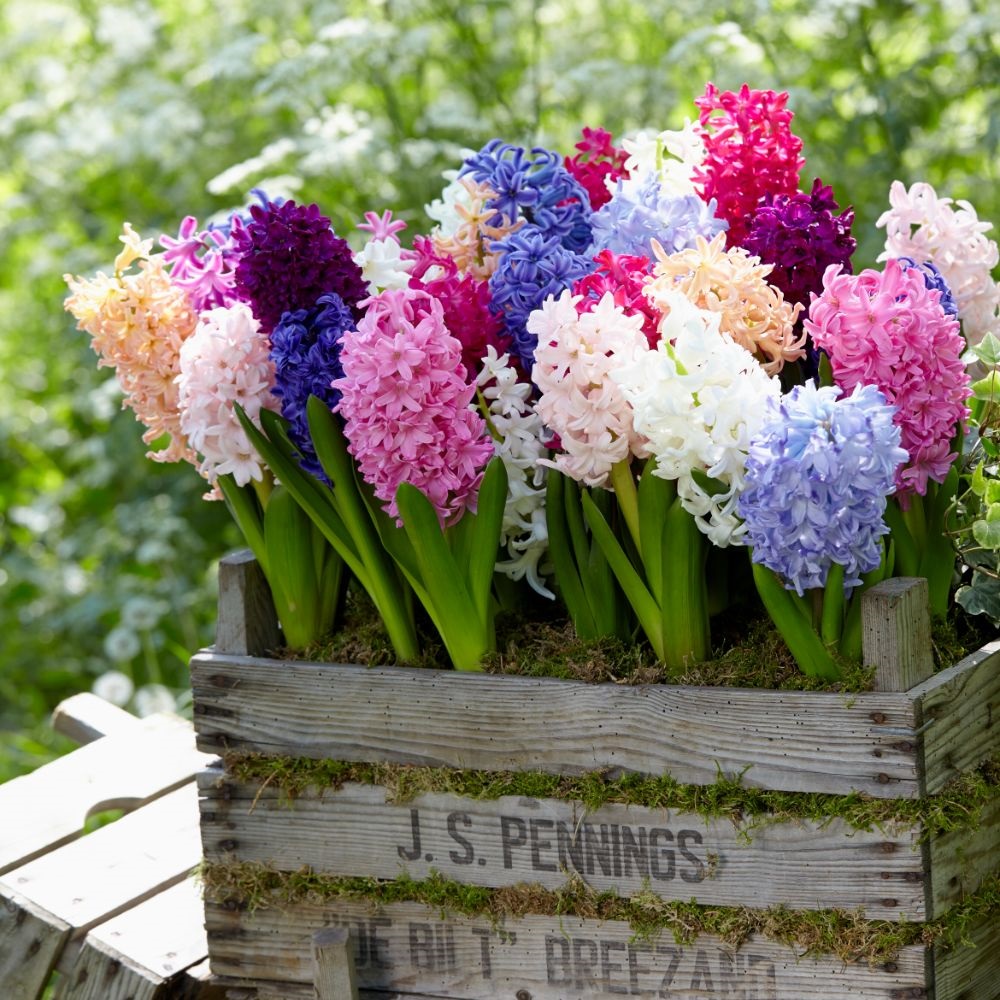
(901, 744)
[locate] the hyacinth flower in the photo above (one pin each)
(625, 278)
(818, 474)
(889, 329)
(597, 165)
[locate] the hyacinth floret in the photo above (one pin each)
(305, 350)
(800, 235)
(734, 284)
(576, 356)
(530, 267)
(624, 277)
(818, 474)
(406, 405)
(750, 151)
(630, 222)
(138, 319)
(535, 187)
(671, 156)
(924, 227)
(465, 300)
(202, 263)
(888, 329)
(597, 166)
(520, 441)
(935, 280)
(225, 362)
(698, 399)
(289, 257)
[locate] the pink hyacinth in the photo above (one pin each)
(406, 404)
(197, 261)
(625, 278)
(889, 330)
(750, 152)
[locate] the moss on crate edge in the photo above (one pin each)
(958, 806)
(847, 935)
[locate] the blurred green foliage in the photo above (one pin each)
(151, 110)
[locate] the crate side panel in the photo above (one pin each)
(789, 740)
(408, 947)
(961, 859)
(504, 842)
(970, 971)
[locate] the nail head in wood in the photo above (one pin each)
(247, 624)
(333, 965)
(896, 633)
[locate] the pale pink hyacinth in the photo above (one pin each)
(138, 319)
(699, 397)
(927, 228)
(732, 283)
(888, 329)
(406, 405)
(225, 362)
(579, 400)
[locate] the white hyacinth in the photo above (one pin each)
(524, 530)
(672, 156)
(382, 265)
(698, 398)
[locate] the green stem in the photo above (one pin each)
(907, 553)
(832, 620)
(684, 606)
(623, 483)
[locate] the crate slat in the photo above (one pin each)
(406, 946)
(788, 740)
(31, 941)
(503, 842)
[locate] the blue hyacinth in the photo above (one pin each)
(627, 225)
(536, 187)
(933, 279)
(530, 267)
(305, 349)
(818, 474)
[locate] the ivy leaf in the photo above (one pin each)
(987, 533)
(987, 351)
(981, 597)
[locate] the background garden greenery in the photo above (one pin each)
(149, 111)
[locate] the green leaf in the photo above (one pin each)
(709, 484)
(987, 351)
(981, 597)
(987, 533)
(655, 497)
(978, 481)
(246, 512)
(987, 388)
(825, 370)
(567, 576)
(487, 523)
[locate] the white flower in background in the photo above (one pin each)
(672, 156)
(524, 531)
(698, 398)
(382, 265)
(152, 698)
(444, 210)
(114, 686)
(121, 644)
(143, 613)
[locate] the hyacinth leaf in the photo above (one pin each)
(907, 556)
(711, 485)
(246, 512)
(608, 606)
(623, 483)
(684, 609)
(850, 636)
(832, 621)
(810, 654)
(564, 556)
(655, 496)
(825, 370)
(937, 561)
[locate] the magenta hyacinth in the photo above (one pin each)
(406, 405)
(888, 329)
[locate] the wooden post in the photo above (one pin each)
(333, 965)
(896, 633)
(247, 622)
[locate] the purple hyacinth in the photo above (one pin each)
(801, 236)
(818, 474)
(305, 349)
(934, 280)
(530, 267)
(627, 226)
(535, 187)
(289, 257)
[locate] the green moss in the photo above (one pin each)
(848, 935)
(959, 805)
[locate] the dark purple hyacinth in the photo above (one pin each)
(289, 257)
(536, 187)
(933, 279)
(801, 235)
(305, 349)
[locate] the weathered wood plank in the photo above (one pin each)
(84, 718)
(31, 941)
(796, 741)
(247, 623)
(680, 856)
(48, 808)
(959, 711)
(408, 947)
(896, 633)
(334, 975)
(970, 971)
(117, 866)
(143, 952)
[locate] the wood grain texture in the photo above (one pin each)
(31, 941)
(959, 711)
(408, 947)
(117, 866)
(896, 633)
(680, 856)
(971, 971)
(334, 975)
(84, 718)
(47, 808)
(790, 740)
(247, 623)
